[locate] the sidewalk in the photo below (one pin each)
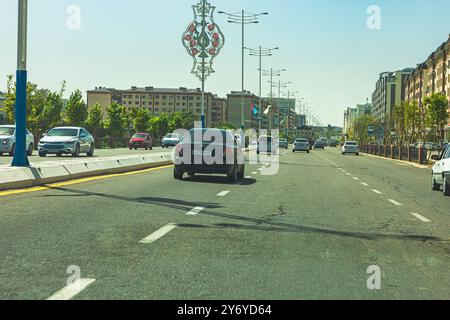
(41, 173)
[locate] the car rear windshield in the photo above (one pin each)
(210, 135)
(351, 143)
(140, 136)
(63, 133)
(6, 131)
(171, 136)
(301, 140)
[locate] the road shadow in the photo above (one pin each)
(213, 179)
(259, 224)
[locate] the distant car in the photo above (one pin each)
(350, 147)
(332, 143)
(319, 144)
(67, 140)
(141, 140)
(232, 161)
(441, 172)
(283, 143)
(301, 145)
(8, 140)
(266, 144)
(170, 140)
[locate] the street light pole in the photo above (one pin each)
(243, 18)
(20, 153)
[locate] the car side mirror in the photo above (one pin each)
(82, 136)
(435, 158)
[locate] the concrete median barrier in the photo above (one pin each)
(51, 172)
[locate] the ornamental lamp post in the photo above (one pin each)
(20, 150)
(203, 41)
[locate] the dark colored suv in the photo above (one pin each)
(209, 151)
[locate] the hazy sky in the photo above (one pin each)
(332, 58)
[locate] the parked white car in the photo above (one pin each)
(441, 172)
(67, 140)
(350, 147)
(8, 140)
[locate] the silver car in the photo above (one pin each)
(301, 145)
(170, 140)
(67, 140)
(8, 140)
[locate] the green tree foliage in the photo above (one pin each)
(94, 123)
(437, 114)
(76, 111)
(140, 118)
(10, 96)
(188, 120)
(413, 123)
(158, 127)
(117, 120)
(175, 121)
(360, 128)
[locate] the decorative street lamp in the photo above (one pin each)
(203, 41)
(20, 154)
(243, 18)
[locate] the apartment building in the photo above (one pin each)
(390, 90)
(431, 76)
(349, 119)
(161, 100)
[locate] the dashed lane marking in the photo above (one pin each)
(223, 193)
(158, 234)
(420, 217)
(195, 211)
(72, 290)
(376, 191)
(395, 202)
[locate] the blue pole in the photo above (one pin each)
(20, 153)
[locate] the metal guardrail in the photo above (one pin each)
(410, 154)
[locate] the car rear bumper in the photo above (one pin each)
(208, 169)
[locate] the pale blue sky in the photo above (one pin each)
(331, 56)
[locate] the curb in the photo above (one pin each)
(412, 164)
(46, 173)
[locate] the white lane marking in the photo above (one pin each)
(72, 290)
(248, 177)
(158, 234)
(223, 193)
(395, 202)
(260, 169)
(255, 172)
(195, 211)
(348, 174)
(376, 191)
(364, 184)
(420, 217)
(355, 178)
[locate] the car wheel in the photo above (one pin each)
(42, 154)
(241, 174)
(293, 151)
(77, 151)
(91, 151)
(434, 186)
(151, 148)
(446, 186)
(191, 174)
(307, 152)
(178, 173)
(357, 154)
(131, 148)
(233, 175)
(12, 150)
(59, 154)
(30, 150)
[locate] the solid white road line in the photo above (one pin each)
(248, 177)
(348, 174)
(158, 234)
(364, 184)
(255, 172)
(72, 290)
(354, 178)
(376, 191)
(223, 193)
(195, 211)
(420, 217)
(395, 202)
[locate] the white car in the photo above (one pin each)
(301, 145)
(8, 140)
(441, 172)
(170, 140)
(350, 147)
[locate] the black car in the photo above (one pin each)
(209, 151)
(319, 144)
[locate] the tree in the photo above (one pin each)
(10, 100)
(412, 121)
(158, 127)
(437, 114)
(188, 120)
(361, 126)
(399, 121)
(117, 120)
(175, 121)
(140, 118)
(76, 111)
(94, 123)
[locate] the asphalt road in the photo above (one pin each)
(99, 153)
(309, 232)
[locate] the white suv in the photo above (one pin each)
(441, 172)
(8, 140)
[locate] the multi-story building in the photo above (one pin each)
(390, 90)
(429, 77)
(161, 100)
(349, 119)
(300, 120)
(2, 111)
(252, 110)
(363, 109)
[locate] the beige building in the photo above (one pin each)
(432, 76)
(161, 100)
(251, 118)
